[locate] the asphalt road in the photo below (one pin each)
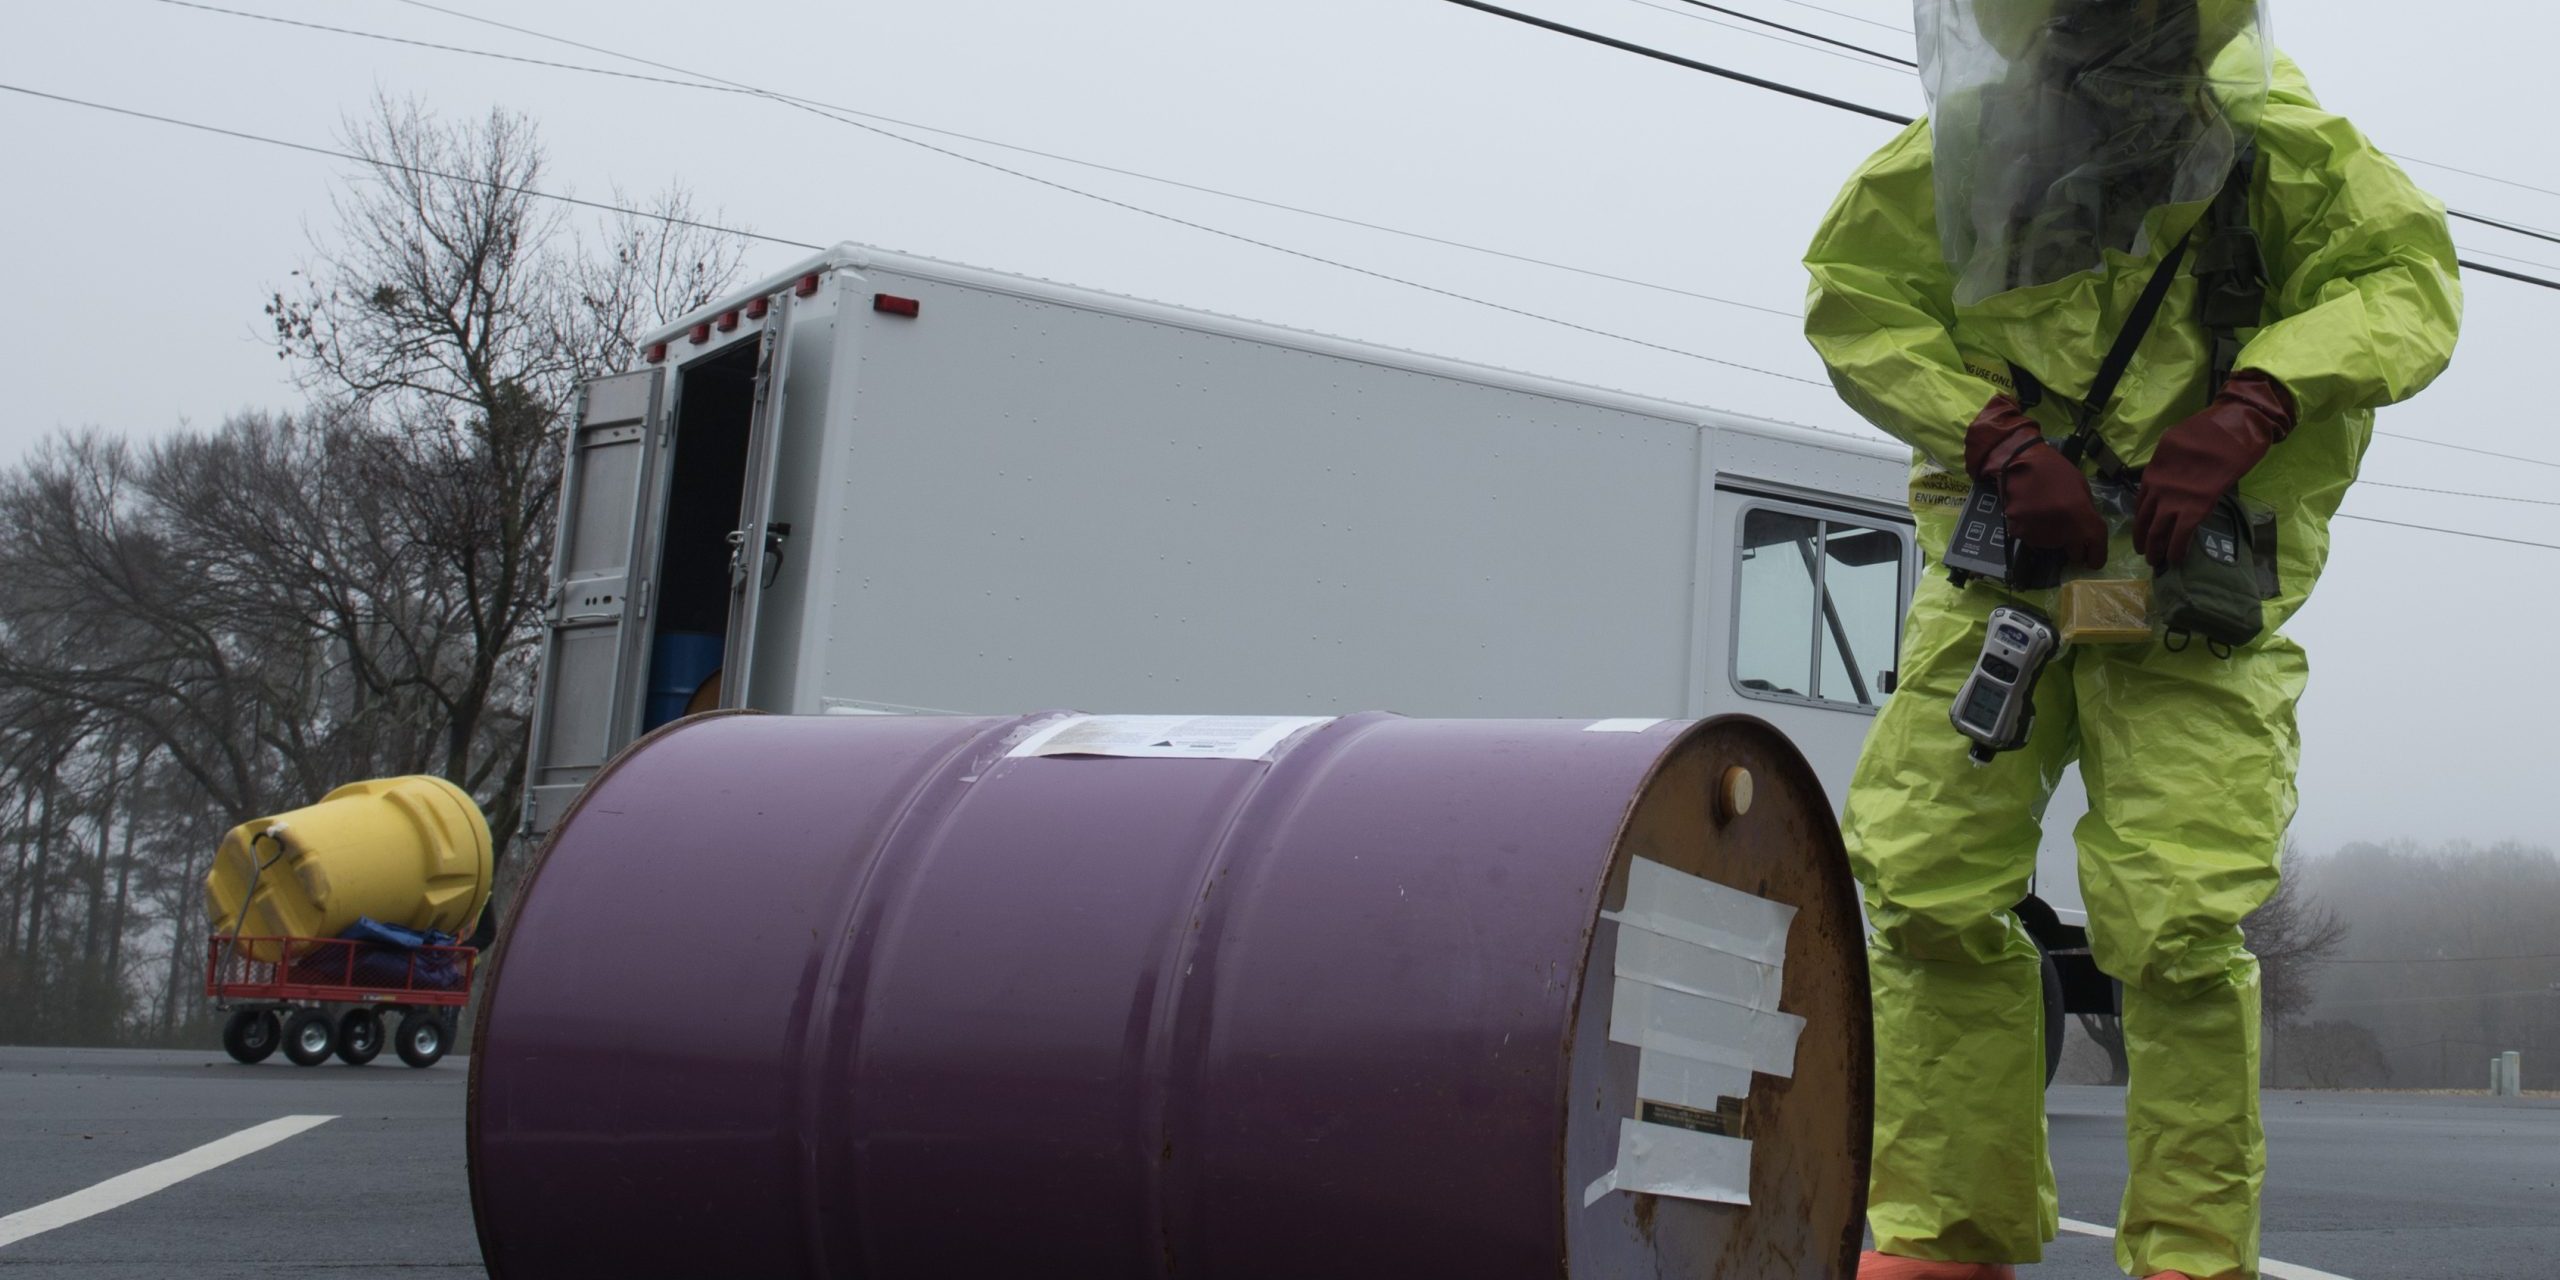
(2361, 1186)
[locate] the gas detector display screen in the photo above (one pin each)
(1983, 708)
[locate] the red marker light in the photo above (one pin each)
(701, 334)
(895, 305)
(757, 308)
(808, 285)
(657, 352)
(728, 321)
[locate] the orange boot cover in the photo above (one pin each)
(1878, 1266)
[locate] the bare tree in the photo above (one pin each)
(456, 308)
(2290, 933)
(2337, 1055)
(231, 622)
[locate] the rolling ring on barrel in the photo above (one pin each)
(1113, 996)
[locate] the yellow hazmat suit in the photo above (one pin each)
(2188, 758)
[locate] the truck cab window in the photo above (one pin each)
(1817, 608)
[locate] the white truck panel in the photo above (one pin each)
(1031, 495)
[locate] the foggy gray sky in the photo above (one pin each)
(139, 255)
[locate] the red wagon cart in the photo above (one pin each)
(319, 996)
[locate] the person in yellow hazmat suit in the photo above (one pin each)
(1968, 287)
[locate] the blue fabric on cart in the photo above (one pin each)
(383, 951)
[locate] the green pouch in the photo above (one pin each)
(2219, 590)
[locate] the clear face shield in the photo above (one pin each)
(2059, 126)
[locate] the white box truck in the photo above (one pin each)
(874, 484)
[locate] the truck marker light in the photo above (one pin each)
(757, 307)
(808, 285)
(657, 352)
(728, 321)
(701, 334)
(895, 305)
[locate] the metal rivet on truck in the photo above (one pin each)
(797, 996)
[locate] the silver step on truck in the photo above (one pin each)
(878, 484)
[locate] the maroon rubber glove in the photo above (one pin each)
(2201, 459)
(2044, 493)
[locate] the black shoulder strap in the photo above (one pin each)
(2231, 270)
(2086, 440)
(2129, 339)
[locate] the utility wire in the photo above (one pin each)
(1276, 248)
(2459, 533)
(2486, 269)
(1862, 109)
(703, 80)
(1854, 50)
(2396, 155)
(335, 154)
(2474, 173)
(2441, 999)
(2509, 257)
(2492, 453)
(712, 84)
(1837, 13)
(2536, 232)
(2457, 493)
(2539, 955)
(1676, 60)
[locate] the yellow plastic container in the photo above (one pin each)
(410, 851)
(2104, 611)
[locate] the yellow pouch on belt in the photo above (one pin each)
(2104, 611)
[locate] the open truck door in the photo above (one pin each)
(758, 545)
(587, 697)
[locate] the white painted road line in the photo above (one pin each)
(2267, 1267)
(125, 1188)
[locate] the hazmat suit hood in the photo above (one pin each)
(2061, 128)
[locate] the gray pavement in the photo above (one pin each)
(2362, 1186)
(379, 1191)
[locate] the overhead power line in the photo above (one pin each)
(2396, 155)
(2459, 533)
(2486, 453)
(1646, 51)
(2535, 232)
(2441, 999)
(1838, 13)
(2457, 493)
(335, 154)
(1230, 235)
(2474, 173)
(705, 82)
(2538, 955)
(1853, 49)
(1842, 104)
(710, 84)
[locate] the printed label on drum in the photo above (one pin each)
(1166, 737)
(1725, 1119)
(1694, 987)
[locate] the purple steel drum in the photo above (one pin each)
(872, 997)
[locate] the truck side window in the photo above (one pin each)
(1817, 608)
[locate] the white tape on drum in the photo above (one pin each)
(1694, 987)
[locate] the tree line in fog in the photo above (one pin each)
(221, 624)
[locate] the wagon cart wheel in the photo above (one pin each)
(251, 1035)
(421, 1039)
(359, 1036)
(308, 1038)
